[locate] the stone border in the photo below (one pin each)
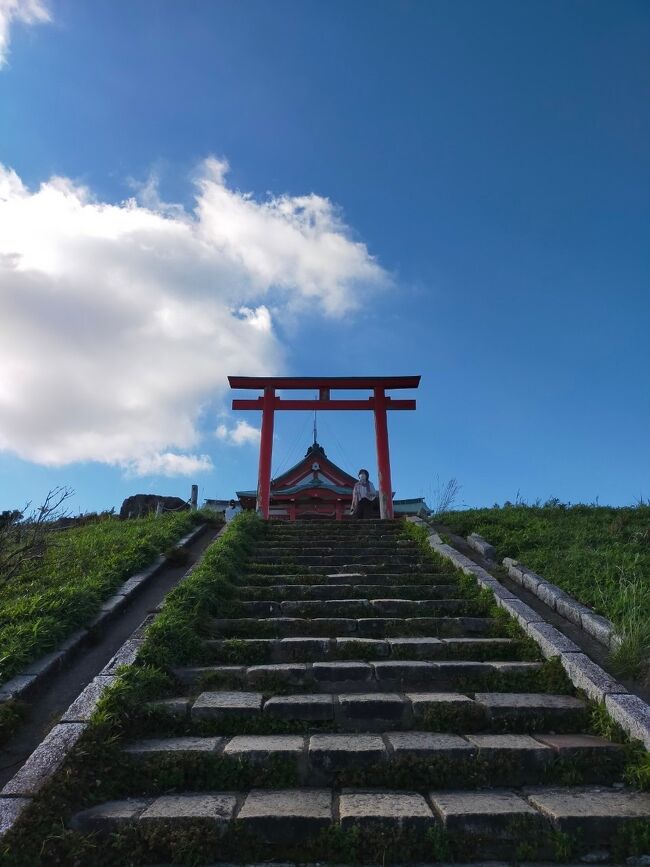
(54, 749)
(597, 626)
(20, 686)
(629, 711)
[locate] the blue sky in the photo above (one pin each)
(481, 214)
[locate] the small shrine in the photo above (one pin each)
(314, 488)
(317, 488)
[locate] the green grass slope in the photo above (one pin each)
(600, 555)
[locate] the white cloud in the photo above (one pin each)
(169, 464)
(25, 11)
(239, 435)
(120, 322)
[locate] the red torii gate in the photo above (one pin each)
(379, 403)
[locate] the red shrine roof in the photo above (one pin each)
(315, 472)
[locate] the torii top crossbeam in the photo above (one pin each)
(379, 403)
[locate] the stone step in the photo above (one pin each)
(372, 711)
(370, 557)
(432, 579)
(364, 627)
(443, 760)
(484, 824)
(283, 592)
(262, 650)
(310, 547)
(380, 568)
(352, 676)
(359, 607)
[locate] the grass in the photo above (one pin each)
(599, 555)
(80, 569)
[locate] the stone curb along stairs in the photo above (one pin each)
(50, 754)
(22, 685)
(629, 711)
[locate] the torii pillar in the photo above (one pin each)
(379, 403)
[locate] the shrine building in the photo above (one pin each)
(317, 488)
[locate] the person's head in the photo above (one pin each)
(364, 475)
(232, 504)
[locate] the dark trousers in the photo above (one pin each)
(364, 509)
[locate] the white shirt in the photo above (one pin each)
(232, 512)
(362, 490)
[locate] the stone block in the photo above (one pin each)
(113, 604)
(525, 750)
(302, 648)
(504, 667)
(17, 686)
(418, 648)
(215, 808)
(426, 745)
(424, 702)
(632, 714)
(371, 710)
(568, 607)
(126, 655)
(193, 675)
(333, 752)
(496, 813)
(216, 705)
(11, 809)
(584, 674)
(370, 627)
(597, 626)
(333, 626)
(260, 748)
(405, 671)
(550, 640)
(286, 814)
(549, 594)
(161, 746)
(577, 744)
(110, 817)
(594, 811)
(478, 543)
(531, 581)
(396, 811)
(500, 705)
(83, 707)
(375, 646)
(293, 673)
(337, 672)
(521, 612)
(312, 708)
(47, 758)
(45, 664)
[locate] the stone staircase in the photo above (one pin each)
(373, 706)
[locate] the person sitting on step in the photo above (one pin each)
(363, 497)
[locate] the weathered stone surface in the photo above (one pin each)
(193, 675)
(289, 672)
(550, 593)
(332, 752)
(332, 672)
(11, 809)
(525, 748)
(83, 707)
(507, 704)
(390, 810)
(504, 667)
(160, 746)
(478, 543)
(550, 640)
(427, 745)
(301, 707)
(589, 677)
(259, 748)
(522, 613)
(48, 756)
(578, 744)
(568, 607)
(593, 810)
(45, 664)
(18, 685)
(415, 671)
(597, 626)
(302, 648)
(109, 817)
(217, 808)
(213, 705)
(489, 812)
(371, 710)
(421, 702)
(286, 814)
(377, 646)
(418, 648)
(632, 714)
(126, 655)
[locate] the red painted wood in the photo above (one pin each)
(266, 452)
(279, 404)
(318, 382)
(383, 456)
